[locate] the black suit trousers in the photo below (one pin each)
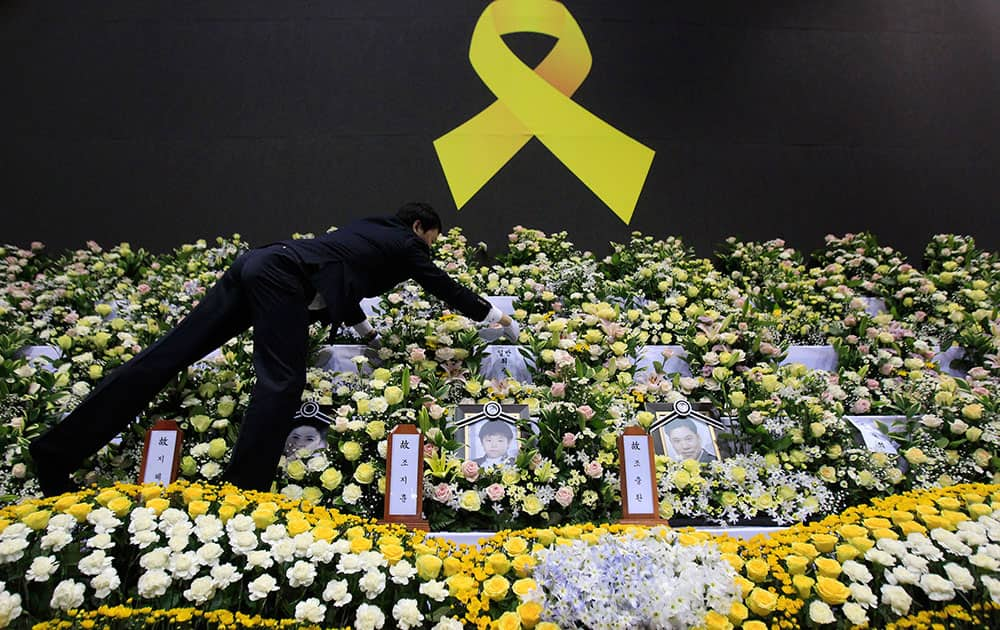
(265, 289)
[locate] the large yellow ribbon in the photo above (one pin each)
(536, 102)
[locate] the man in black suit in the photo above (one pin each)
(278, 289)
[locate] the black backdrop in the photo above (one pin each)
(162, 121)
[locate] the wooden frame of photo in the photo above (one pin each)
(699, 414)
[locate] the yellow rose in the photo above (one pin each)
(263, 517)
(852, 531)
(331, 478)
(381, 374)
(364, 406)
(757, 570)
(375, 429)
(805, 549)
(824, 542)
(393, 395)
(913, 527)
(803, 584)
(515, 545)
(496, 587)
(508, 621)
(531, 505)
(738, 612)
(754, 625)
(546, 625)
(226, 512)
(831, 591)
(296, 469)
(470, 501)
(529, 612)
(37, 520)
(79, 511)
(827, 567)
(191, 493)
(158, 505)
(523, 586)
(364, 473)
(217, 448)
(762, 602)
(734, 561)
(523, 564)
(745, 585)
(452, 565)
(973, 411)
(497, 563)
(392, 553)
(428, 566)
(351, 450)
(360, 544)
(796, 564)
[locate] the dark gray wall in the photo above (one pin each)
(159, 122)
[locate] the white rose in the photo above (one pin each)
(301, 574)
(104, 583)
(54, 540)
(259, 559)
(67, 595)
(12, 550)
(202, 589)
(310, 610)
(855, 614)
(336, 592)
(262, 586)
(170, 517)
(368, 618)
(862, 593)
(208, 528)
(94, 563)
(352, 492)
(302, 543)
(153, 583)
(951, 542)
(960, 576)
(243, 542)
(283, 550)
(937, 588)
(897, 598)
(210, 470)
(209, 554)
(274, 533)
(42, 568)
(930, 421)
(292, 491)
(402, 571)
(184, 566)
(155, 559)
(225, 574)
(372, 560)
(407, 614)
(895, 547)
(901, 575)
(240, 523)
(435, 589)
(880, 557)
(372, 583)
(983, 561)
(448, 623)
(10, 608)
(993, 586)
(856, 571)
(819, 612)
(62, 521)
(321, 551)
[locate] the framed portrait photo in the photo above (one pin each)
(683, 431)
(491, 434)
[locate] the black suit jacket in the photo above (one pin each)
(369, 257)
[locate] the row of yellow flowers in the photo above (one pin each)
(849, 570)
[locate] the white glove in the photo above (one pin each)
(493, 316)
(512, 331)
(363, 328)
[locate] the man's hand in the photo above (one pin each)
(511, 329)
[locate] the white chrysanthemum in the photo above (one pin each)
(368, 618)
(243, 542)
(10, 607)
(184, 566)
(225, 574)
(201, 590)
(274, 533)
(402, 572)
(12, 550)
(208, 528)
(103, 520)
(435, 589)
(259, 559)
(372, 583)
(448, 623)
(283, 550)
(321, 551)
(337, 592)
(262, 587)
(154, 583)
(301, 574)
(67, 595)
(105, 582)
(937, 588)
(94, 563)
(145, 538)
(42, 568)
(310, 610)
(407, 614)
(960, 577)
(209, 554)
(55, 540)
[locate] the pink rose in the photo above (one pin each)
(414, 381)
(769, 350)
(442, 493)
(143, 288)
(564, 496)
(871, 384)
(569, 440)
(470, 470)
(495, 492)
(435, 411)
(430, 450)
(593, 469)
(558, 390)
(585, 411)
(862, 405)
(417, 354)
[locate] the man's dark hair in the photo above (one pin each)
(682, 423)
(418, 211)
